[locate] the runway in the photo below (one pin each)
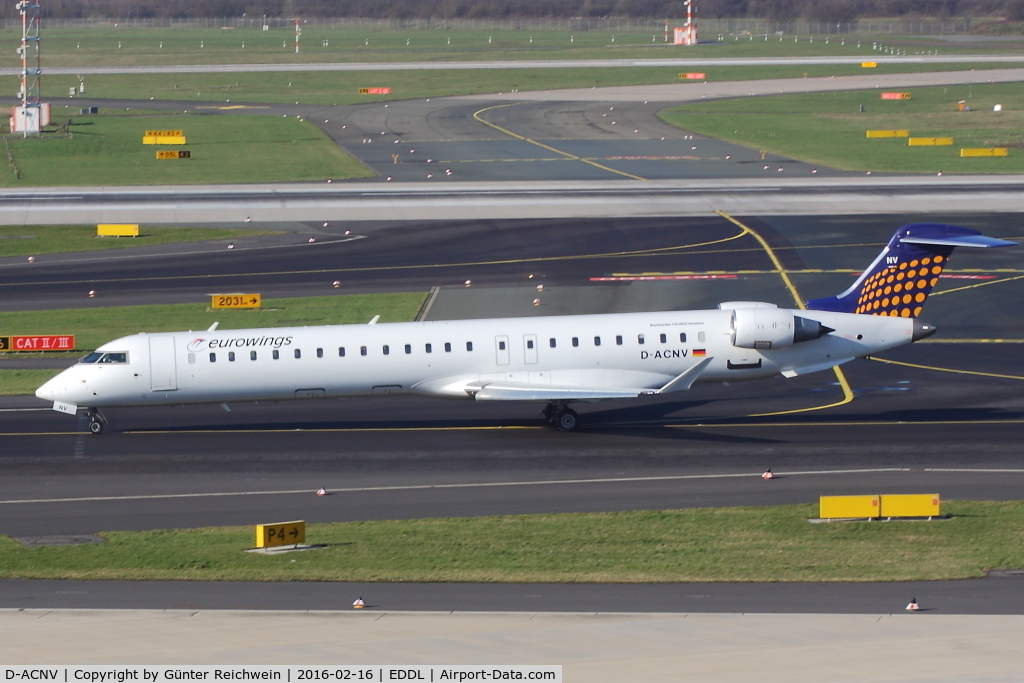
(553, 200)
(524, 64)
(916, 426)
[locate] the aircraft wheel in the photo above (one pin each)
(568, 420)
(95, 426)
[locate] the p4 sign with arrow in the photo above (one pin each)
(283, 533)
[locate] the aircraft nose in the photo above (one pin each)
(48, 391)
(923, 330)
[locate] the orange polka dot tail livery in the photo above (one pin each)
(898, 282)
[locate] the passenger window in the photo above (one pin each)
(341, 351)
(618, 339)
(319, 353)
(700, 336)
(252, 355)
(682, 337)
(387, 349)
(276, 354)
(428, 348)
(664, 338)
(529, 343)
(447, 347)
(191, 358)
(551, 342)
(640, 339)
(597, 341)
(469, 346)
(408, 348)
(231, 356)
(213, 358)
(298, 353)
(362, 350)
(575, 341)
(501, 346)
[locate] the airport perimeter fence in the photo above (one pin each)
(924, 27)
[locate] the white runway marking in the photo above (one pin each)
(617, 480)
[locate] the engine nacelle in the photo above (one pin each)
(773, 328)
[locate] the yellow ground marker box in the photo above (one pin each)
(844, 507)
(282, 533)
(887, 133)
(163, 140)
(868, 65)
(983, 151)
(927, 142)
(911, 505)
(235, 301)
(117, 230)
(163, 137)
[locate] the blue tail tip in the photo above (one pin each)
(898, 281)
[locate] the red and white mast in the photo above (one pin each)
(687, 35)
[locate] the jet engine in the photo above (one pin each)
(773, 328)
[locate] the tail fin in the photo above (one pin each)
(900, 279)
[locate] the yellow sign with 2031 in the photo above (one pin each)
(235, 301)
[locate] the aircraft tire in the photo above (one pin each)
(568, 420)
(96, 427)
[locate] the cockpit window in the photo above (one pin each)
(114, 357)
(91, 358)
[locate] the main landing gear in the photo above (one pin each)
(561, 415)
(96, 421)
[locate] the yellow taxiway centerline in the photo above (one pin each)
(937, 369)
(476, 115)
(843, 383)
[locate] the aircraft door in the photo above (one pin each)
(530, 348)
(163, 375)
(501, 349)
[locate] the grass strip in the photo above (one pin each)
(708, 544)
(23, 382)
(25, 240)
(829, 129)
(115, 46)
(107, 150)
(342, 87)
(95, 326)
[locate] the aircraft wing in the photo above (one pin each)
(508, 391)
(527, 392)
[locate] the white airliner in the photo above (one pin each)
(558, 359)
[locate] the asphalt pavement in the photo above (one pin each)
(948, 422)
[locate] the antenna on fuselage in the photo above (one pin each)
(373, 320)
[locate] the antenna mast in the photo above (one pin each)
(29, 117)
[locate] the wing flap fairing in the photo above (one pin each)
(507, 391)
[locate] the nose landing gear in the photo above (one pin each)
(96, 421)
(561, 415)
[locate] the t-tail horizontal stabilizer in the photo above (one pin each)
(898, 282)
